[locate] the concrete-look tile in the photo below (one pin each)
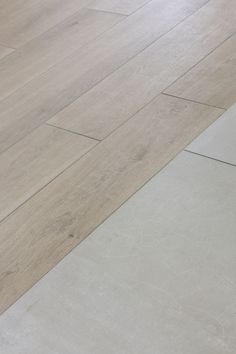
(219, 140)
(157, 277)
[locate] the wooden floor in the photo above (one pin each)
(96, 97)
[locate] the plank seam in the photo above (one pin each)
(155, 40)
(190, 100)
(208, 54)
(73, 132)
(52, 180)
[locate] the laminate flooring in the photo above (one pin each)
(97, 97)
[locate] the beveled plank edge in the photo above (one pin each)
(121, 13)
(166, 90)
(96, 142)
(108, 12)
(194, 101)
(100, 35)
(122, 17)
(72, 132)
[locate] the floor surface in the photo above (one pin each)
(117, 179)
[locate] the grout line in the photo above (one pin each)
(104, 78)
(189, 100)
(49, 182)
(208, 54)
(72, 132)
(210, 158)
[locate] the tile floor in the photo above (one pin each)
(219, 140)
(158, 276)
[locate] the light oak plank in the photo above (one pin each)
(11, 9)
(35, 161)
(103, 108)
(125, 7)
(213, 80)
(35, 238)
(52, 47)
(4, 51)
(24, 20)
(50, 92)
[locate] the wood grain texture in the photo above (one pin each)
(40, 54)
(35, 161)
(50, 92)
(213, 80)
(41, 232)
(125, 7)
(4, 51)
(103, 108)
(21, 21)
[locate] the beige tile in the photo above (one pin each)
(51, 47)
(50, 92)
(35, 238)
(157, 277)
(212, 81)
(219, 140)
(110, 103)
(35, 161)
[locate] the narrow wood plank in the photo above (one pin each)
(47, 94)
(51, 47)
(24, 20)
(213, 80)
(4, 51)
(125, 7)
(41, 232)
(35, 161)
(14, 8)
(102, 109)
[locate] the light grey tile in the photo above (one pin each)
(159, 276)
(219, 140)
